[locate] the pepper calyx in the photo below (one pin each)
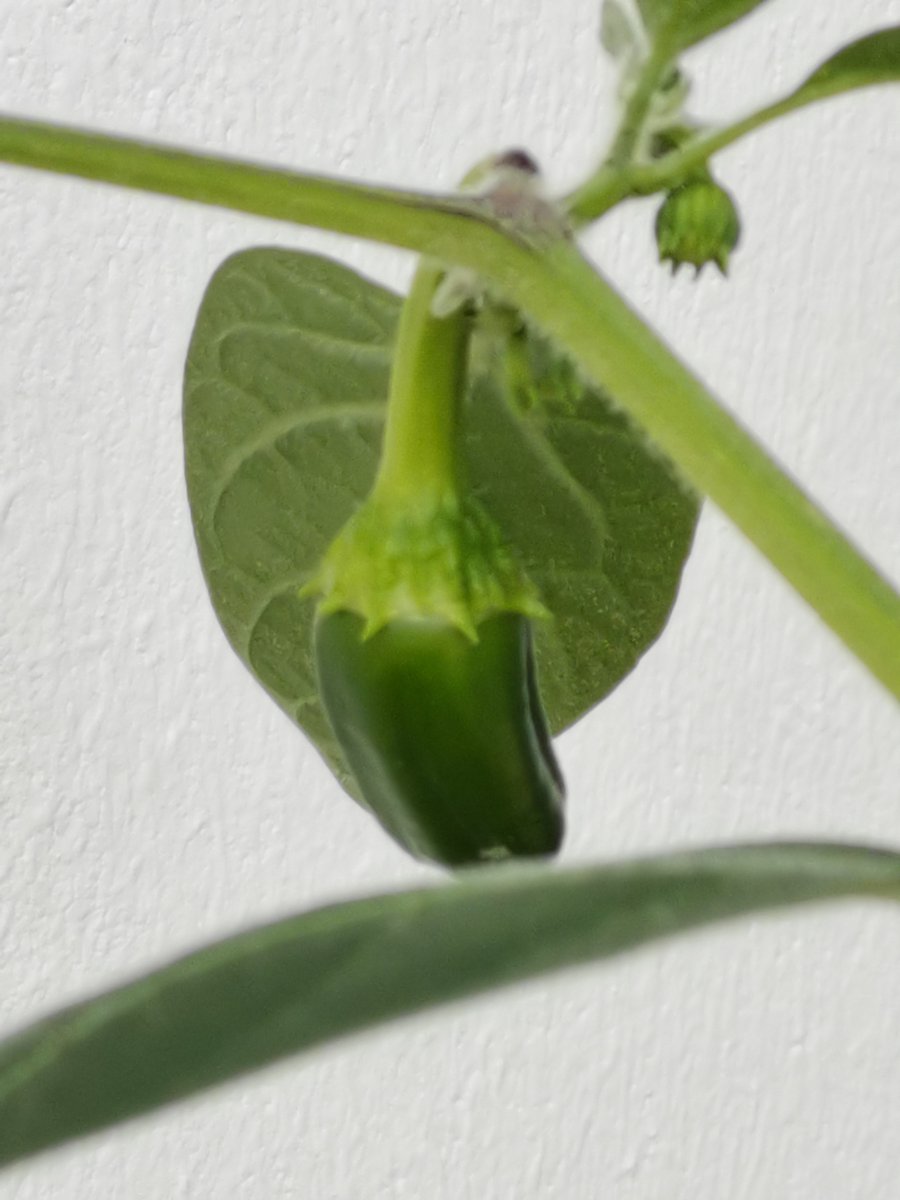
(433, 556)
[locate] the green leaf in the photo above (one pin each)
(870, 60)
(677, 24)
(282, 988)
(285, 388)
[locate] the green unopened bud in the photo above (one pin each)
(697, 223)
(445, 736)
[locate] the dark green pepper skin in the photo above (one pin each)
(446, 737)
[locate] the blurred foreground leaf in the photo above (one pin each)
(285, 987)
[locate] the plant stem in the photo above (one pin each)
(635, 115)
(419, 452)
(599, 193)
(388, 215)
(718, 456)
(610, 183)
(653, 177)
(607, 187)
(577, 306)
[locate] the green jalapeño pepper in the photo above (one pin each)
(426, 672)
(446, 736)
(423, 638)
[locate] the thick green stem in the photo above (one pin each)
(419, 451)
(575, 305)
(717, 455)
(412, 220)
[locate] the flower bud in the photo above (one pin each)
(697, 223)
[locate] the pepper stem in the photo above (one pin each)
(419, 546)
(419, 450)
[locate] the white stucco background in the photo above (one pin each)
(153, 797)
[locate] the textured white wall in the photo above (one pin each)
(152, 796)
